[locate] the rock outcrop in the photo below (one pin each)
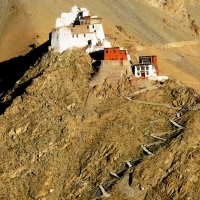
(62, 139)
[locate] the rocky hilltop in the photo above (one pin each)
(63, 139)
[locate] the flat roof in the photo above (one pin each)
(112, 48)
(146, 56)
(89, 18)
(143, 64)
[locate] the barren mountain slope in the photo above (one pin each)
(61, 138)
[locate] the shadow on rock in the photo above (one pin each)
(12, 70)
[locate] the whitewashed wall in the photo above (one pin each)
(150, 72)
(61, 39)
(66, 19)
(69, 18)
(82, 39)
(98, 29)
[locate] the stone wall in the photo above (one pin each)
(112, 69)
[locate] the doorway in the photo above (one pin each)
(143, 74)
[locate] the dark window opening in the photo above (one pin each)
(89, 42)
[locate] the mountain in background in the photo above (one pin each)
(169, 29)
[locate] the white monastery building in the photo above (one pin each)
(78, 29)
(148, 68)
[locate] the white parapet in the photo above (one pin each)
(158, 78)
(162, 78)
(75, 9)
(68, 18)
(106, 44)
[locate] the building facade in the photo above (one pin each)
(116, 53)
(78, 29)
(147, 67)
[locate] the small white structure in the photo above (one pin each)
(72, 17)
(145, 70)
(78, 29)
(148, 68)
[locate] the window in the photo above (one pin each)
(92, 26)
(138, 74)
(106, 51)
(145, 60)
(147, 73)
(114, 50)
(72, 36)
(147, 68)
(77, 36)
(84, 35)
(88, 27)
(142, 68)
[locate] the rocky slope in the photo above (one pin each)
(61, 138)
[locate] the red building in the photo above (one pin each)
(115, 53)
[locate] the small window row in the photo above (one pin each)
(73, 36)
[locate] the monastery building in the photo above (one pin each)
(78, 29)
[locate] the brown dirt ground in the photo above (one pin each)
(61, 138)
